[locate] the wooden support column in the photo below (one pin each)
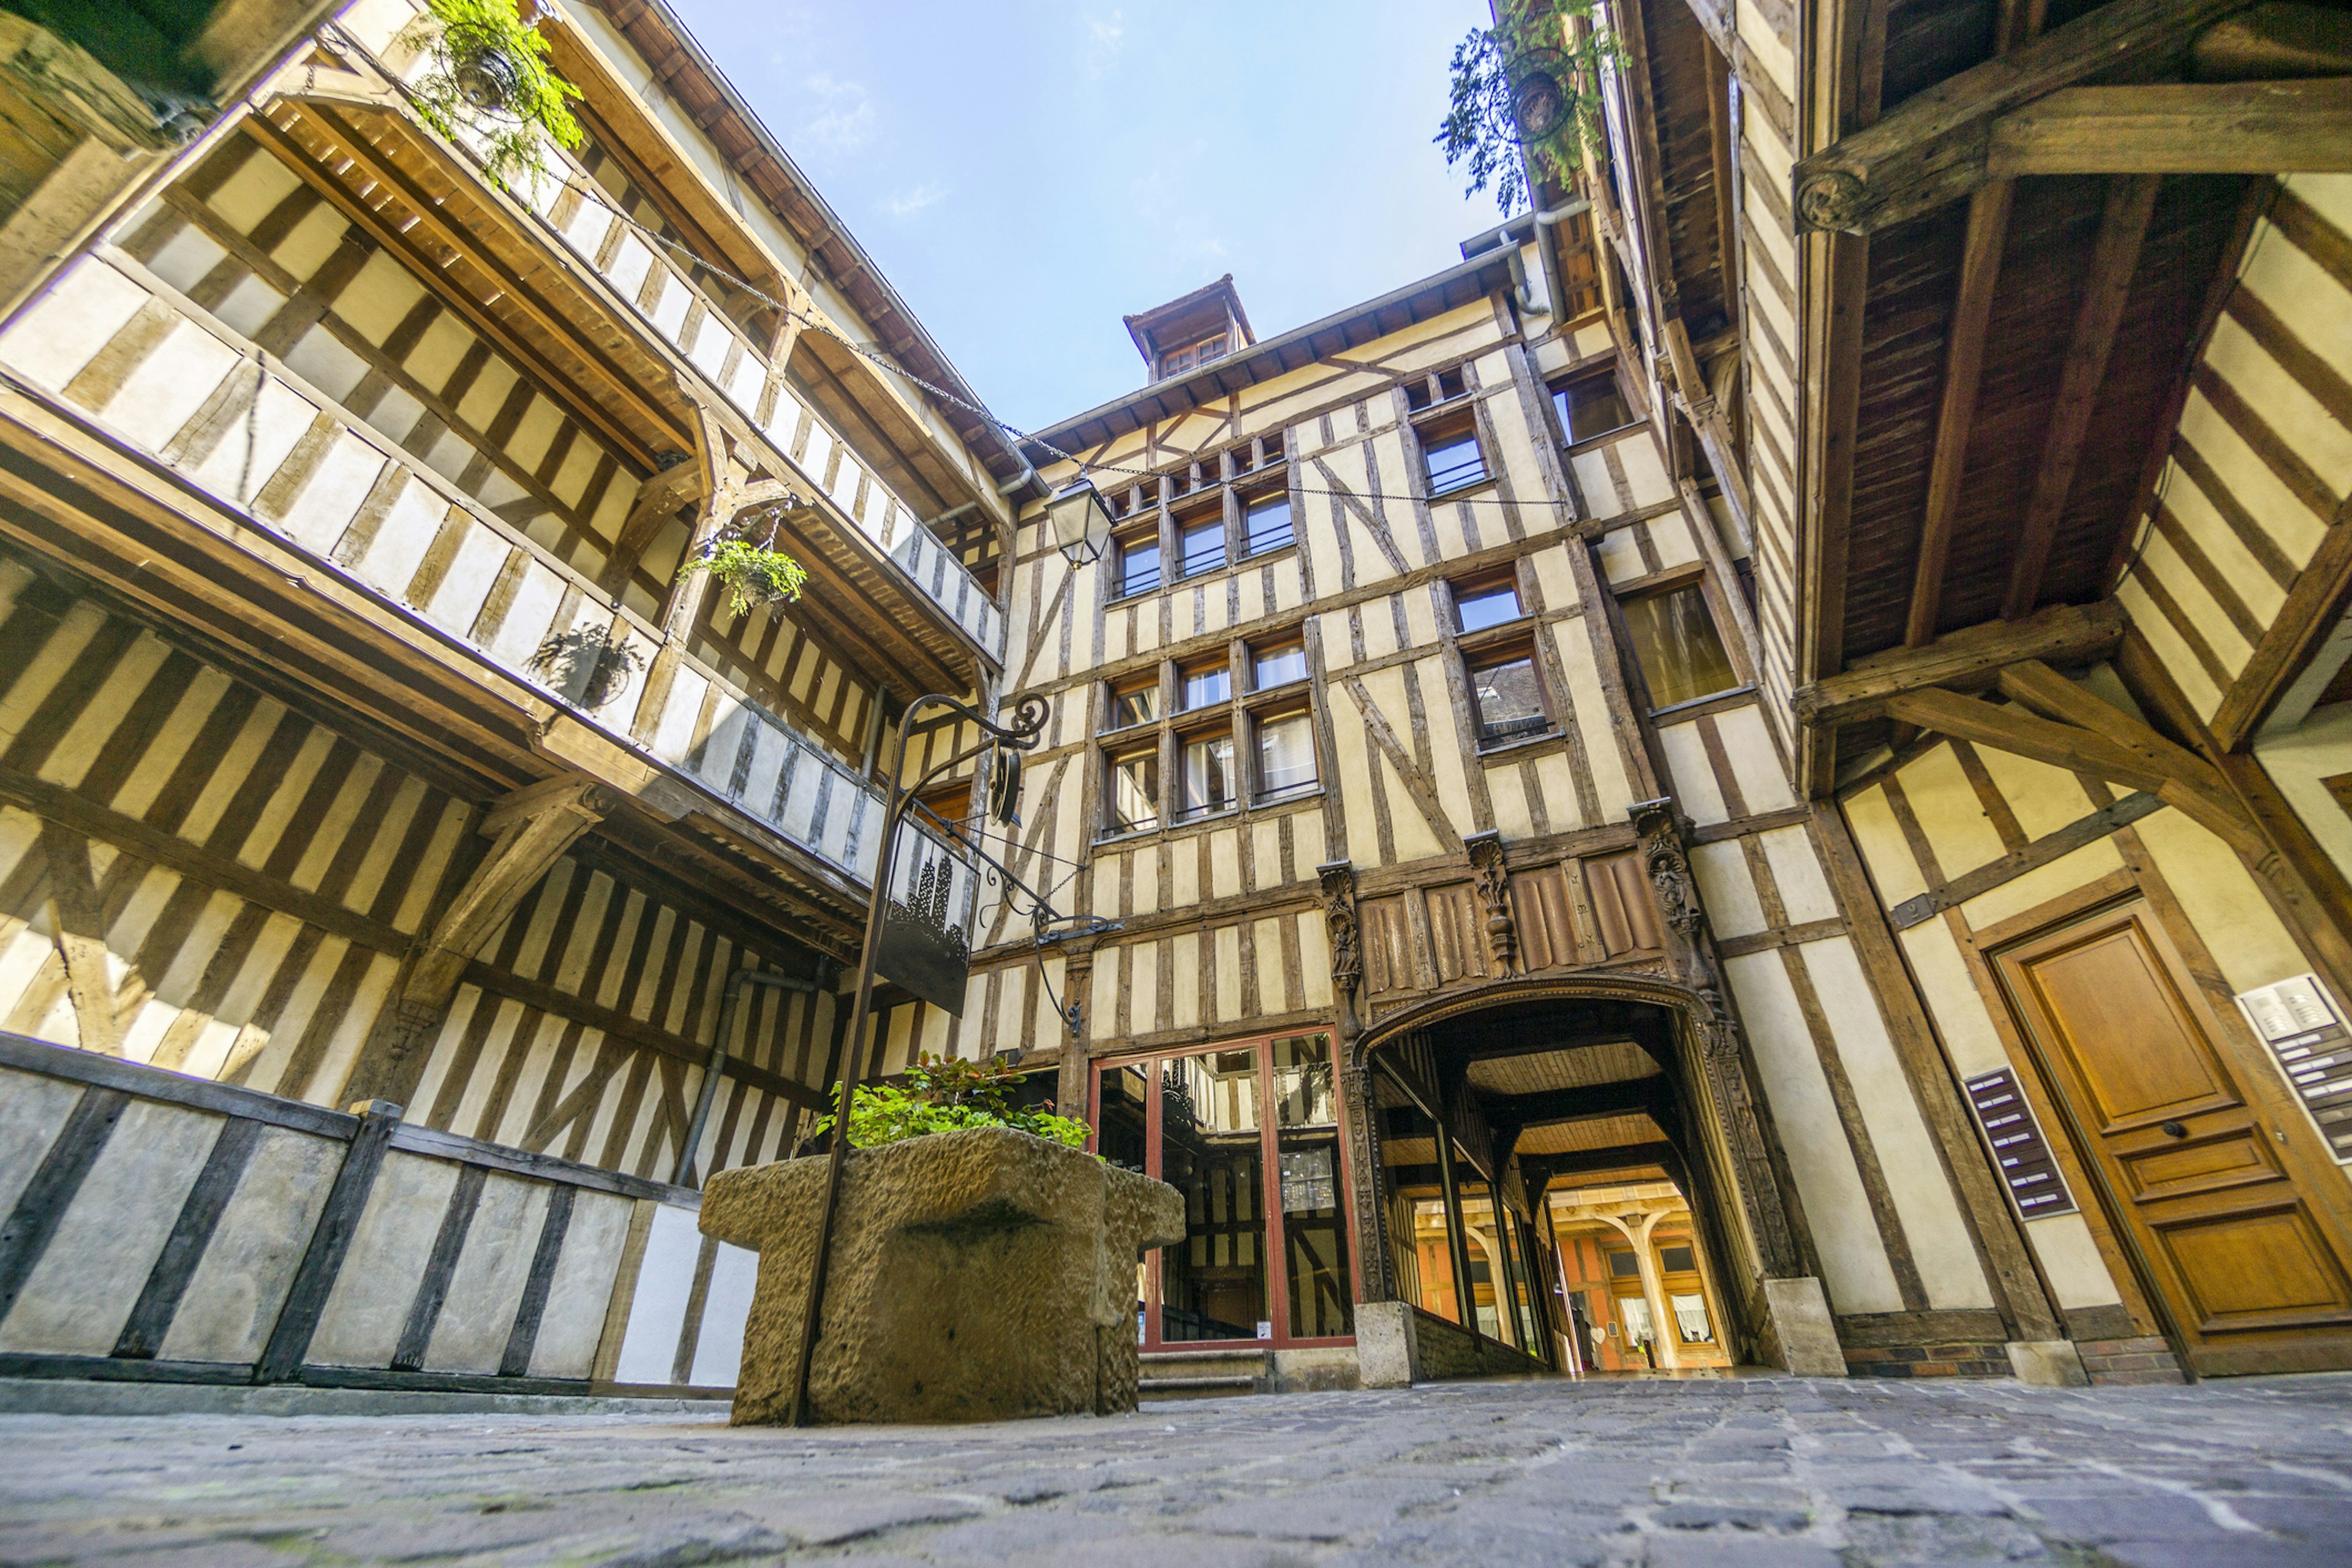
(529, 830)
(80, 926)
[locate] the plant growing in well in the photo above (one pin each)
(948, 1096)
(755, 576)
(1532, 81)
(486, 69)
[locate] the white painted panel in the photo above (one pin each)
(332, 496)
(1727, 888)
(480, 557)
(1754, 762)
(2070, 1259)
(51, 343)
(1694, 774)
(536, 600)
(407, 532)
(719, 1350)
(572, 1322)
(169, 385)
(258, 444)
(657, 1311)
(1797, 873)
(485, 1288)
(233, 1298)
(369, 1306)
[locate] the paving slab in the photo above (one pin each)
(1609, 1473)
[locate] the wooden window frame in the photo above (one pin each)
(1673, 580)
(1445, 425)
(1298, 705)
(1560, 384)
(1491, 649)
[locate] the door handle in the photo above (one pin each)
(2173, 1130)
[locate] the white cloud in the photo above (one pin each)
(907, 203)
(1105, 38)
(846, 119)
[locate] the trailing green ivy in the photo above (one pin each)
(948, 1096)
(488, 72)
(1530, 82)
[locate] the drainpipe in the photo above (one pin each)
(1544, 254)
(683, 1174)
(1026, 474)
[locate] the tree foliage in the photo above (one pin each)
(1531, 83)
(487, 71)
(948, 1096)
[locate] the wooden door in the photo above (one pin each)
(2235, 1217)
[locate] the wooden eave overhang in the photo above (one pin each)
(2019, 354)
(686, 71)
(513, 279)
(1358, 324)
(299, 626)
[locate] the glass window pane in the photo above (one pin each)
(1207, 686)
(1592, 408)
(1434, 1250)
(1135, 705)
(1454, 461)
(1278, 666)
(1479, 608)
(1138, 566)
(1213, 1282)
(1690, 1319)
(1486, 1257)
(1624, 1266)
(1676, 1259)
(1674, 637)
(1135, 792)
(1208, 774)
(1285, 755)
(1511, 702)
(1204, 546)
(1315, 1240)
(1267, 524)
(1120, 1117)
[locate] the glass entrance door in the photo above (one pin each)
(1249, 1133)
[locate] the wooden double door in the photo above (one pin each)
(2211, 1180)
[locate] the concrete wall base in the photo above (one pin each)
(1384, 1344)
(1802, 1324)
(2048, 1364)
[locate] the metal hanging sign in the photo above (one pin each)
(923, 950)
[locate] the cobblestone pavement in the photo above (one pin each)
(1763, 1471)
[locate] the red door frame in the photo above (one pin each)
(1276, 1253)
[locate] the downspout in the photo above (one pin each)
(683, 1174)
(1551, 260)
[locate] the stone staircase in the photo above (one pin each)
(1206, 1373)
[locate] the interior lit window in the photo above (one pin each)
(1135, 791)
(1206, 686)
(1591, 407)
(1204, 546)
(1273, 666)
(1286, 754)
(1208, 774)
(1138, 565)
(1138, 703)
(1675, 638)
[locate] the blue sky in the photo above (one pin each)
(1028, 171)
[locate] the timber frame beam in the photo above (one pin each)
(1970, 658)
(1937, 146)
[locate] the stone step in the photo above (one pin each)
(1205, 1374)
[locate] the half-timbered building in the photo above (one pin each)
(1758, 772)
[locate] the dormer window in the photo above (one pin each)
(1191, 331)
(1192, 355)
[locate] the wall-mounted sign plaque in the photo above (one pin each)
(2304, 1030)
(2018, 1148)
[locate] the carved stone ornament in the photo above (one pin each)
(1833, 199)
(1495, 890)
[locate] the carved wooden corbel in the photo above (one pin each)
(1495, 892)
(1338, 879)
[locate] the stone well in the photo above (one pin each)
(976, 1276)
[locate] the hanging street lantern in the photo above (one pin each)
(1081, 524)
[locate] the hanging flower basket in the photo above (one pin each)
(757, 576)
(1530, 84)
(487, 73)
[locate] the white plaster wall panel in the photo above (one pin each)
(481, 556)
(32, 1110)
(1894, 871)
(673, 735)
(233, 1297)
(319, 358)
(79, 1295)
(171, 383)
(1621, 557)
(1727, 888)
(477, 1315)
(186, 258)
(2044, 883)
(1606, 762)
(1949, 814)
(1797, 873)
(2070, 1261)
(2236, 922)
(1694, 776)
(727, 1306)
(2299, 760)
(249, 306)
(258, 444)
(2042, 798)
(1755, 763)
(407, 532)
(332, 497)
(368, 1307)
(572, 1322)
(1970, 1038)
(657, 1311)
(1853, 1259)
(1940, 1244)
(528, 617)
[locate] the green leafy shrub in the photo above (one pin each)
(755, 576)
(1530, 82)
(948, 1096)
(487, 69)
